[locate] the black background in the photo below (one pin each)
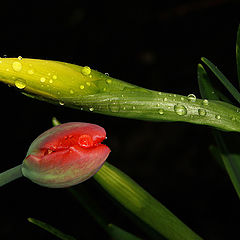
(154, 44)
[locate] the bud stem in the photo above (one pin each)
(10, 175)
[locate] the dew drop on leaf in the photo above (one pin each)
(180, 110)
(191, 97)
(202, 112)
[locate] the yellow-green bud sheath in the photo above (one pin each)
(86, 89)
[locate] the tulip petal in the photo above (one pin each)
(66, 155)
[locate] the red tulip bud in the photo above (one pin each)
(66, 155)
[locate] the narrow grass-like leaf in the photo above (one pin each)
(230, 159)
(120, 234)
(87, 89)
(139, 202)
(51, 229)
(238, 53)
(222, 79)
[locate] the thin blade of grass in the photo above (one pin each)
(51, 229)
(230, 159)
(228, 85)
(238, 54)
(139, 202)
(120, 234)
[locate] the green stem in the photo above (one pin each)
(10, 175)
(142, 204)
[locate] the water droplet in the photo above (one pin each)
(81, 86)
(191, 97)
(71, 91)
(205, 102)
(50, 81)
(61, 103)
(17, 66)
(4, 55)
(159, 93)
(202, 112)
(20, 83)
(30, 71)
(108, 81)
(86, 70)
(54, 77)
(19, 58)
(42, 79)
(91, 109)
(165, 99)
(88, 83)
(180, 110)
(133, 107)
(174, 95)
(217, 116)
(107, 74)
(161, 112)
(114, 107)
(182, 98)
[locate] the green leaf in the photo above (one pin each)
(238, 53)
(222, 79)
(230, 158)
(118, 233)
(51, 229)
(139, 202)
(231, 161)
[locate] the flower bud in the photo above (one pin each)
(66, 155)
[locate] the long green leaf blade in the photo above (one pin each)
(142, 204)
(120, 234)
(51, 229)
(222, 79)
(231, 160)
(238, 53)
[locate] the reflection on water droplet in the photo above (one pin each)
(108, 81)
(81, 86)
(191, 97)
(205, 102)
(61, 103)
(107, 74)
(180, 110)
(30, 71)
(20, 83)
(86, 70)
(42, 79)
(50, 81)
(161, 112)
(217, 116)
(91, 109)
(54, 77)
(17, 66)
(165, 99)
(19, 58)
(202, 112)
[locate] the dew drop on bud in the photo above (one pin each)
(17, 66)
(20, 83)
(86, 70)
(205, 102)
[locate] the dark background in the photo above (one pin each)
(155, 44)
